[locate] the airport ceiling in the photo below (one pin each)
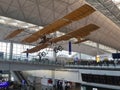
(44, 12)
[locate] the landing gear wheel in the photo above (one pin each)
(43, 54)
(60, 48)
(56, 50)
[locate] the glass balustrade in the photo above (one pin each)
(60, 61)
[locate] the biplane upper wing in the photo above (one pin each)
(78, 14)
(79, 33)
(14, 33)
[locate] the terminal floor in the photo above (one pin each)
(38, 87)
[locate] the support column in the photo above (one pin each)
(53, 77)
(97, 48)
(6, 54)
(54, 53)
(9, 76)
(10, 58)
(54, 56)
(80, 57)
(97, 56)
(11, 51)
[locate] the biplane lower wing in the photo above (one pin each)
(77, 14)
(14, 33)
(37, 48)
(80, 41)
(81, 32)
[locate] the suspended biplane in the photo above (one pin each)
(78, 34)
(77, 14)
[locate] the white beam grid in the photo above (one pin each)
(108, 8)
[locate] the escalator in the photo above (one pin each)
(21, 77)
(18, 76)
